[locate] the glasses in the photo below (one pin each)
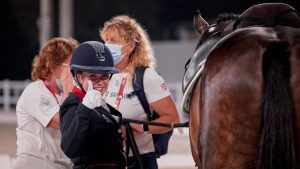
(65, 65)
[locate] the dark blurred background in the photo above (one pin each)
(163, 19)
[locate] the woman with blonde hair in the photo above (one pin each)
(131, 49)
(38, 134)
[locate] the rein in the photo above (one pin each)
(170, 125)
(130, 141)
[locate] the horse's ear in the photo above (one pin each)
(199, 23)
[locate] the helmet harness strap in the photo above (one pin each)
(77, 82)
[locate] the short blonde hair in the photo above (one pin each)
(131, 31)
(54, 53)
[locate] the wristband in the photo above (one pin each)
(146, 128)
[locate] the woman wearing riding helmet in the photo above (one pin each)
(90, 128)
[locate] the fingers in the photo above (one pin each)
(137, 128)
(123, 129)
(67, 78)
(90, 87)
(93, 98)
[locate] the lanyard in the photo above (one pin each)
(119, 96)
(51, 90)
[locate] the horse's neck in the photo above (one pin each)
(269, 15)
(216, 30)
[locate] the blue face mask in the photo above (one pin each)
(59, 85)
(116, 52)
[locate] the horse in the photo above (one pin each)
(242, 90)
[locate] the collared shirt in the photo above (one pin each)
(36, 143)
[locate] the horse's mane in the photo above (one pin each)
(218, 27)
(226, 17)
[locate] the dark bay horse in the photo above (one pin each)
(244, 106)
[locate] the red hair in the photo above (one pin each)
(54, 53)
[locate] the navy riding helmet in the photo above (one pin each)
(92, 57)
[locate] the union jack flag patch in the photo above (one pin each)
(164, 86)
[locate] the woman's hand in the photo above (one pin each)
(67, 81)
(167, 112)
(123, 130)
(92, 98)
(137, 128)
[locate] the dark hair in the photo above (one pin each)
(226, 17)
